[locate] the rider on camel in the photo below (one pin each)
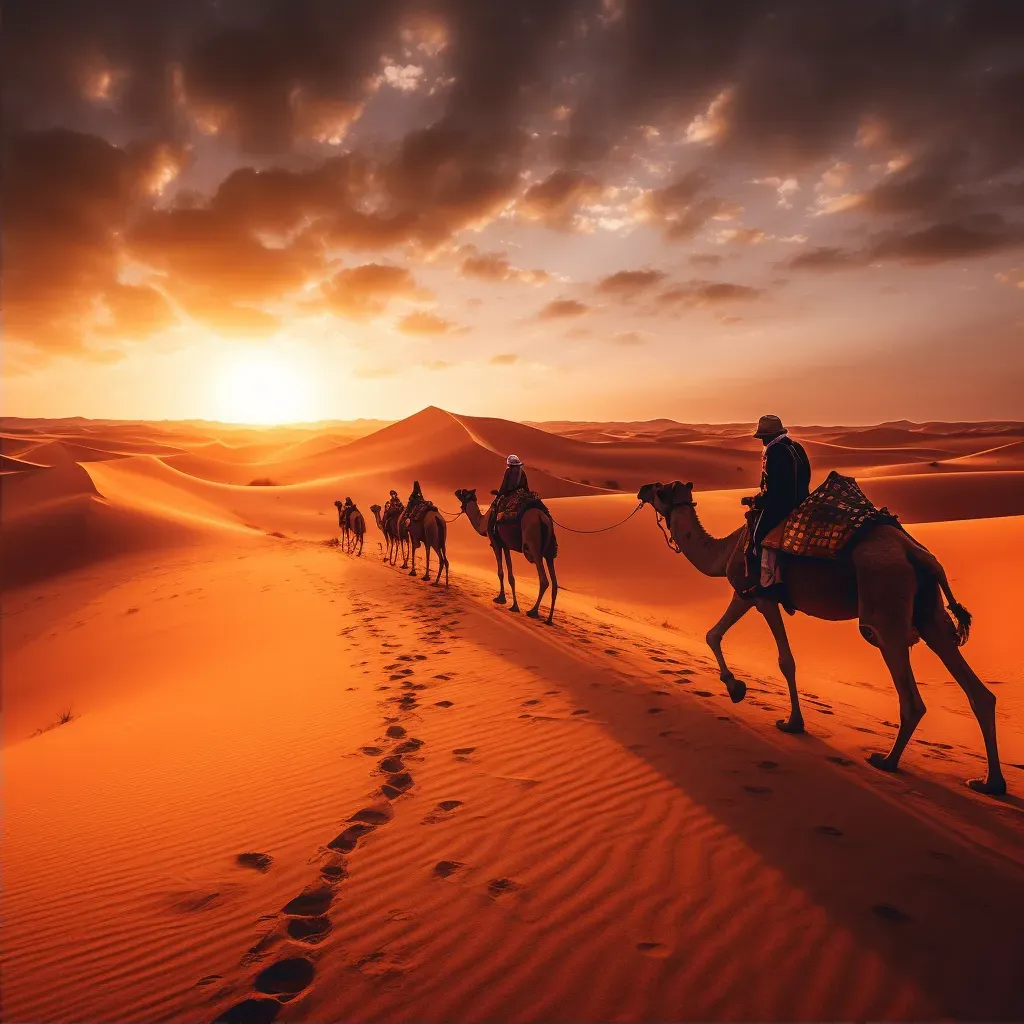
(785, 482)
(513, 480)
(346, 512)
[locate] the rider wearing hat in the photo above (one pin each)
(785, 482)
(513, 480)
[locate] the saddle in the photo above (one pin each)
(510, 507)
(416, 513)
(828, 520)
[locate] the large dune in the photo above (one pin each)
(584, 827)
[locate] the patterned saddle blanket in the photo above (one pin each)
(512, 506)
(416, 513)
(827, 520)
(392, 510)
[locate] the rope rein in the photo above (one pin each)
(604, 529)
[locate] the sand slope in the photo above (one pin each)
(465, 815)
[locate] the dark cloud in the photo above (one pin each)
(556, 200)
(69, 200)
(561, 308)
(940, 242)
(628, 284)
(825, 258)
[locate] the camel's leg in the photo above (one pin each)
(738, 607)
(511, 580)
(896, 653)
(427, 547)
(361, 545)
(440, 566)
(787, 664)
(446, 564)
(542, 586)
(940, 636)
(500, 599)
(554, 590)
(412, 544)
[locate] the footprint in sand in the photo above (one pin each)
(758, 790)
(257, 861)
(844, 761)
(346, 842)
(529, 703)
(408, 747)
(371, 751)
(655, 950)
(655, 711)
(702, 693)
(251, 1011)
(396, 732)
(313, 902)
(391, 765)
(443, 704)
(939, 855)
(373, 815)
(767, 765)
(334, 873)
(502, 887)
(286, 977)
(308, 929)
(396, 785)
(463, 751)
(828, 830)
(582, 711)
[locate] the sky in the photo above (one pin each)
(297, 210)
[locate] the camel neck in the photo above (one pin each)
(708, 555)
(476, 517)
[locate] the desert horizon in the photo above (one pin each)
(321, 789)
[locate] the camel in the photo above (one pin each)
(390, 529)
(353, 531)
(539, 546)
(888, 581)
(432, 532)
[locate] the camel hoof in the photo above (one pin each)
(500, 599)
(548, 622)
(736, 687)
(515, 608)
(533, 614)
(989, 788)
(412, 572)
(882, 763)
(793, 726)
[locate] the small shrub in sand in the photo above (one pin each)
(262, 481)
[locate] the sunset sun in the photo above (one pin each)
(262, 387)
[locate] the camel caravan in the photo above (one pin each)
(828, 553)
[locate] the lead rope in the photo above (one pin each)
(603, 529)
(667, 533)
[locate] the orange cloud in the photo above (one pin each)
(561, 308)
(424, 324)
(556, 200)
(360, 293)
(627, 284)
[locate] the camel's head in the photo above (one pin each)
(466, 495)
(375, 509)
(338, 505)
(665, 497)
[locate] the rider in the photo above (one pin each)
(785, 482)
(347, 510)
(513, 480)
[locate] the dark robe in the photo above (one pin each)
(785, 482)
(513, 480)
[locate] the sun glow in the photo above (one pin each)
(263, 387)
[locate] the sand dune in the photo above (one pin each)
(451, 813)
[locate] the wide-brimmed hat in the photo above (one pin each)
(513, 460)
(769, 426)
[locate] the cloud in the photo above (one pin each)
(495, 267)
(1012, 277)
(425, 324)
(741, 236)
(560, 309)
(628, 284)
(940, 242)
(706, 259)
(439, 364)
(361, 293)
(556, 200)
(504, 359)
(824, 258)
(697, 294)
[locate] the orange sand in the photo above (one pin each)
(592, 831)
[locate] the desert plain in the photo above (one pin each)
(248, 776)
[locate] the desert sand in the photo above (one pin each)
(291, 784)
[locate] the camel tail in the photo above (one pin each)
(924, 560)
(549, 541)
